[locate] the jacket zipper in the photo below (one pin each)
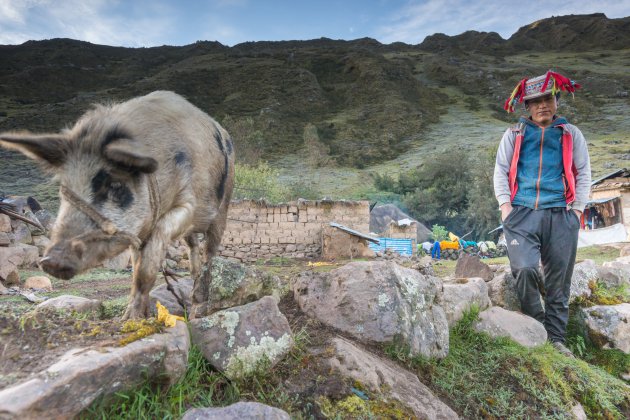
(542, 141)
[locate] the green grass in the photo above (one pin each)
(497, 378)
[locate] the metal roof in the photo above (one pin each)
(354, 232)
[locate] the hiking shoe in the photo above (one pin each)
(562, 349)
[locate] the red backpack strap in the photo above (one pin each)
(520, 132)
(570, 171)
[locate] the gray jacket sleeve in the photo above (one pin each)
(582, 163)
(502, 167)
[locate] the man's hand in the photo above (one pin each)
(506, 208)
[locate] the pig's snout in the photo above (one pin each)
(63, 262)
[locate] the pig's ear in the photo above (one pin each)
(50, 149)
(124, 155)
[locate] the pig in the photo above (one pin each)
(136, 174)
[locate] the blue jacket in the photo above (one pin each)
(540, 167)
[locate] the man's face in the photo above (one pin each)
(542, 109)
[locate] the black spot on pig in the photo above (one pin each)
(105, 188)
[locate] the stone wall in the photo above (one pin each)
(258, 230)
(409, 231)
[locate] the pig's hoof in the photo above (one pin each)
(133, 312)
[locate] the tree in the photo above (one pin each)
(482, 214)
(440, 194)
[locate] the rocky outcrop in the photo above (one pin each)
(242, 340)
(498, 322)
(584, 273)
(378, 302)
(461, 296)
(233, 284)
(385, 378)
(502, 291)
(238, 411)
(71, 304)
(608, 326)
(83, 375)
(471, 266)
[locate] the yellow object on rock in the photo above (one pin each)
(163, 316)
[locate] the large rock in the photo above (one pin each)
(38, 282)
(10, 258)
(378, 302)
(584, 273)
(499, 322)
(614, 274)
(45, 218)
(459, 297)
(83, 375)
(502, 291)
(472, 266)
(382, 216)
(182, 287)
(70, 303)
(384, 377)
(238, 411)
(18, 256)
(241, 340)
(233, 284)
(21, 232)
(5, 223)
(608, 326)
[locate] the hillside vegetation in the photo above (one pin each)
(327, 113)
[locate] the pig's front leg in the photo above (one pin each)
(147, 261)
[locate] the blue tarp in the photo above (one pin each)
(402, 246)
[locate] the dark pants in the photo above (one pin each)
(549, 236)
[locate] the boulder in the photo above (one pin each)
(38, 282)
(3, 290)
(608, 326)
(584, 273)
(18, 256)
(70, 303)
(5, 239)
(235, 284)
(459, 297)
(502, 291)
(5, 223)
(182, 287)
(21, 232)
(614, 274)
(499, 322)
(378, 301)
(10, 259)
(85, 374)
(238, 411)
(242, 340)
(386, 378)
(471, 266)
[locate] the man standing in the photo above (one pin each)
(542, 181)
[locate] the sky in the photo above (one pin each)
(147, 23)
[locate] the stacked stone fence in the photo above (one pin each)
(259, 230)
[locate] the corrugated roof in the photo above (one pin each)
(354, 232)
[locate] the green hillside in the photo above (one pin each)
(363, 106)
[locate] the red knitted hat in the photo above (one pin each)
(548, 84)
